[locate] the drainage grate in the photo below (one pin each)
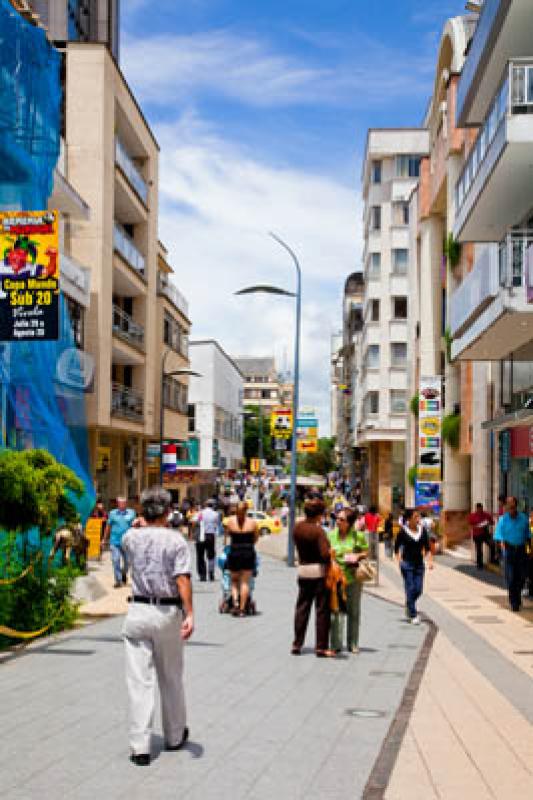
(387, 672)
(365, 713)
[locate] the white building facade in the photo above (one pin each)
(390, 174)
(216, 406)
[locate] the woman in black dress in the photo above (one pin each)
(243, 534)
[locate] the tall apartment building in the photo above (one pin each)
(112, 159)
(349, 398)
(78, 20)
(390, 174)
(216, 408)
(436, 265)
(491, 307)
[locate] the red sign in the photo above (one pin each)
(522, 442)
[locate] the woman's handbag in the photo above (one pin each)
(365, 571)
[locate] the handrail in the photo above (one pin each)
(130, 170)
(125, 246)
(126, 402)
(125, 326)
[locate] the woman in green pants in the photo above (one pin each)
(346, 539)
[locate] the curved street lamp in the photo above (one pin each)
(276, 290)
(183, 371)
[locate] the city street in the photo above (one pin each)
(263, 723)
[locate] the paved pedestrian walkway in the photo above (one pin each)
(264, 724)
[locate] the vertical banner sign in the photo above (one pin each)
(29, 276)
(430, 429)
(307, 432)
(281, 423)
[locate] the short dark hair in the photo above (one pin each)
(479, 505)
(314, 508)
(372, 510)
(408, 513)
(351, 516)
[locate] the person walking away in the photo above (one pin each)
(411, 546)
(345, 539)
(159, 620)
(313, 549)
(207, 529)
(480, 522)
(388, 536)
(119, 521)
(241, 561)
(514, 534)
(372, 520)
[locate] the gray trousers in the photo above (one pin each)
(353, 617)
(153, 647)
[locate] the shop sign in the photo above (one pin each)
(427, 495)
(430, 426)
(29, 276)
(281, 423)
(307, 446)
(152, 455)
(93, 531)
(103, 459)
(521, 442)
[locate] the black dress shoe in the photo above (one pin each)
(174, 747)
(141, 759)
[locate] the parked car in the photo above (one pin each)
(265, 523)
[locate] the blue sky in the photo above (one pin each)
(261, 108)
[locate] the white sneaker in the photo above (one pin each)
(416, 620)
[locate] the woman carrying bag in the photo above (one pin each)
(349, 542)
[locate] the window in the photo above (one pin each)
(398, 354)
(407, 166)
(191, 413)
(175, 336)
(398, 402)
(372, 403)
(372, 356)
(375, 218)
(374, 311)
(376, 172)
(400, 261)
(76, 317)
(399, 307)
(175, 395)
(375, 265)
(400, 214)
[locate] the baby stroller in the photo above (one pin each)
(226, 602)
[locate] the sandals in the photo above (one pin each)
(326, 654)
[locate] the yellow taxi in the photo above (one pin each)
(265, 523)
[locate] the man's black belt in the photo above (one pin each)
(156, 601)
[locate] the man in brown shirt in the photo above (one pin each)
(313, 550)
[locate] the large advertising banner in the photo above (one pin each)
(430, 425)
(281, 423)
(29, 276)
(307, 432)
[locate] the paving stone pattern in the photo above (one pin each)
(264, 724)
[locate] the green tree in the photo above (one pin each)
(252, 424)
(321, 462)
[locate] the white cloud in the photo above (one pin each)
(170, 67)
(217, 206)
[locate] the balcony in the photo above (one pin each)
(498, 174)
(130, 170)
(124, 245)
(503, 32)
(168, 290)
(492, 310)
(126, 403)
(127, 329)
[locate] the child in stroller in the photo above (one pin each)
(226, 603)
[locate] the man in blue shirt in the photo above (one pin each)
(513, 532)
(119, 521)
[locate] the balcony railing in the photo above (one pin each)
(476, 291)
(124, 245)
(128, 167)
(125, 327)
(173, 294)
(514, 97)
(126, 402)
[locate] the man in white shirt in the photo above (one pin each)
(206, 530)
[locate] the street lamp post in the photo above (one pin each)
(182, 371)
(298, 295)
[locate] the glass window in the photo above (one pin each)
(398, 402)
(400, 260)
(376, 172)
(76, 316)
(372, 403)
(398, 354)
(374, 311)
(399, 307)
(372, 357)
(400, 213)
(376, 218)
(407, 166)
(375, 265)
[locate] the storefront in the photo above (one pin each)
(520, 465)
